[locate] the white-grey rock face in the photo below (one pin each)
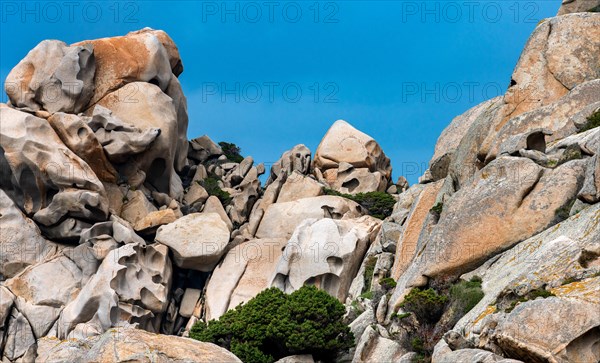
(119, 140)
(297, 159)
(351, 161)
(21, 243)
(197, 240)
(536, 329)
(53, 77)
(152, 109)
(326, 253)
(44, 178)
(298, 186)
(132, 284)
(244, 272)
(372, 348)
(281, 219)
(203, 148)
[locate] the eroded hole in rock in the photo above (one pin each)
(329, 212)
(351, 184)
(335, 264)
(27, 181)
(536, 141)
(82, 132)
(279, 281)
(589, 257)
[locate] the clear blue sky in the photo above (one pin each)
(397, 70)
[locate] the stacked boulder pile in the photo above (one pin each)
(118, 234)
(112, 219)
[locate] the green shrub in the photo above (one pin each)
(211, 185)
(231, 151)
(367, 295)
(593, 121)
(356, 307)
(368, 274)
(400, 316)
(437, 209)
(379, 204)
(274, 325)
(417, 345)
(466, 294)
(427, 305)
(388, 283)
(311, 322)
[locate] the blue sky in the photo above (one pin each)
(268, 75)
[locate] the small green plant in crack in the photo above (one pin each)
(531, 295)
(211, 185)
(437, 209)
(572, 152)
(568, 281)
(417, 345)
(466, 294)
(368, 274)
(387, 283)
(354, 305)
(400, 316)
(593, 121)
(367, 295)
(564, 212)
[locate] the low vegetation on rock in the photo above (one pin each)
(437, 311)
(387, 283)
(368, 274)
(593, 121)
(531, 295)
(231, 151)
(426, 304)
(211, 185)
(437, 209)
(379, 204)
(466, 294)
(274, 325)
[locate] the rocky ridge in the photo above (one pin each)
(116, 228)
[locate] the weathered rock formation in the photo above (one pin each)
(117, 233)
